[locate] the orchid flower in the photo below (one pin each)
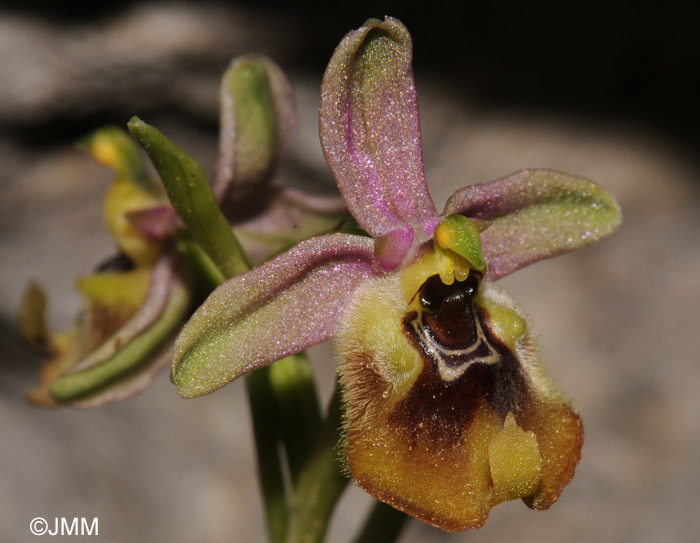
(448, 410)
(133, 304)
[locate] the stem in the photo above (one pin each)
(320, 483)
(266, 430)
(284, 406)
(384, 525)
(207, 275)
(292, 383)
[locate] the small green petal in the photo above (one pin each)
(460, 235)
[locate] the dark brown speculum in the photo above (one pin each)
(464, 363)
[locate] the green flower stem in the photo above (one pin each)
(293, 386)
(284, 406)
(75, 385)
(266, 429)
(384, 525)
(193, 199)
(320, 485)
(206, 272)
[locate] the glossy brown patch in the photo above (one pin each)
(443, 409)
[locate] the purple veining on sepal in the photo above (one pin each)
(370, 131)
(278, 308)
(391, 248)
(535, 214)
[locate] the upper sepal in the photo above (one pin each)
(370, 130)
(257, 125)
(535, 214)
(278, 308)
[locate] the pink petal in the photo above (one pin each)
(278, 308)
(370, 129)
(535, 214)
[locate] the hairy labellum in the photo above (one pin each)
(448, 410)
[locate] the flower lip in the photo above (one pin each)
(445, 446)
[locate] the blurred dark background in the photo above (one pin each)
(619, 60)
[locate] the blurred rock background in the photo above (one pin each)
(604, 91)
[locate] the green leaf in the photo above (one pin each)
(192, 197)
